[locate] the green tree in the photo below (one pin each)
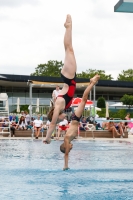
(127, 100)
(126, 75)
(22, 107)
(51, 68)
(118, 113)
(102, 112)
(89, 73)
(101, 102)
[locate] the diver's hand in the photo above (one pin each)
(65, 168)
(47, 141)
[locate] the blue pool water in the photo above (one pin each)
(99, 170)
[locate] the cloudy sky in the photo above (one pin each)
(31, 33)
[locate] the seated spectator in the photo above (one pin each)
(37, 125)
(13, 117)
(90, 119)
(130, 125)
(55, 93)
(47, 127)
(30, 125)
(22, 124)
(63, 126)
(13, 126)
(16, 118)
(47, 124)
(105, 124)
(6, 122)
(127, 118)
(112, 128)
(1, 124)
(27, 117)
(10, 116)
(121, 128)
(44, 126)
(127, 124)
(83, 123)
(22, 114)
(98, 126)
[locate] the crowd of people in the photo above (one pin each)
(22, 122)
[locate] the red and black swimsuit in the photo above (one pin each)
(71, 91)
(74, 117)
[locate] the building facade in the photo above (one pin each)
(18, 86)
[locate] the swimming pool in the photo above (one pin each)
(30, 170)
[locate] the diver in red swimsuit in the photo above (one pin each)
(71, 91)
(68, 73)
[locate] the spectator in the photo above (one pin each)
(47, 127)
(63, 126)
(83, 123)
(6, 122)
(16, 119)
(10, 117)
(13, 126)
(22, 124)
(105, 124)
(47, 124)
(128, 124)
(121, 128)
(30, 126)
(111, 128)
(44, 126)
(127, 118)
(37, 125)
(1, 124)
(22, 113)
(27, 117)
(13, 117)
(55, 93)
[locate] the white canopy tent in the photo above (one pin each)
(120, 104)
(107, 109)
(96, 108)
(3, 97)
(18, 105)
(88, 108)
(37, 105)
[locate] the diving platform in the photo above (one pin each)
(125, 6)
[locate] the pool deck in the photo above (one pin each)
(129, 139)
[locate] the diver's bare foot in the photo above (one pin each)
(68, 22)
(95, 79)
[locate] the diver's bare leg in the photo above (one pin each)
(70, 67)
(81, 106)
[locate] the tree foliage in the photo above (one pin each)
(127, 100)
(101, 102)
(115, 113)
(126, 75)
(89, 73)
(51, 68)
(118, 113)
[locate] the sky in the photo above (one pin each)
(32, 31)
